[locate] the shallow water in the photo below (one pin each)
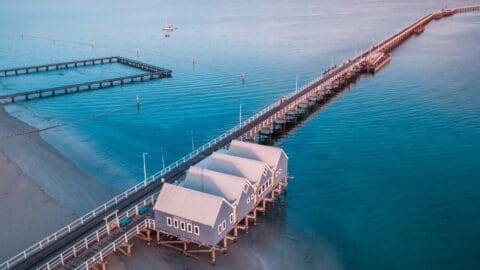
(386, 176)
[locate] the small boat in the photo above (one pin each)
(169, 28)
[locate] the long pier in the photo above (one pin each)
(80, 63)
(86, 242)
(153, 73)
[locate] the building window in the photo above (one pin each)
(189, 227)
(265, 172)
(248, 200)
(175, 223)
(196, 230)
(252, 197)
(245, 188)
(219, 228)
(224, 225)
(231, 218)
(169, 221)
(182, 225)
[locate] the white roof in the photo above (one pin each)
(189, 204)
(241, 167)
(268, 154)
(216, 183)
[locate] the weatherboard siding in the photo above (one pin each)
(207, 236)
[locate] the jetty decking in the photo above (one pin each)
(153, 73)
(86, 242)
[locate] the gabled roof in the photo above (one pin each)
(189, 204)
(219, 184)
(242, 167)
(268, 154)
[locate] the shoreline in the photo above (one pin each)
(40, 189)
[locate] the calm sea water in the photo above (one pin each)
(386, 176)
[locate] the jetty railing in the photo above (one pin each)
(87, 86)
(73, 225)
(121, 240)
(80, 63)
(94, 237)
(56, 66)
(153, 72)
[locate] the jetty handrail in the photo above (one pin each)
(73, 225)
(72, 86)
(150, 67)
(466, 9)
(93, 237)
(110, 248)
(113, 58)
(404, 30)
(85, 62)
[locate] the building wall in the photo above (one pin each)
(265, 186)
(246, 203)
(206, 235)
(162, 224)
(226, 212)
(281, 170)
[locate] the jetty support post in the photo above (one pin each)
(214, 259)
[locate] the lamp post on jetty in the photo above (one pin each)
(163, 161)
(193, 145)
(144, 169)
(240, 115)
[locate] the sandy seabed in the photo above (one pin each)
(40, 190)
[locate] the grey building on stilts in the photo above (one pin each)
(218, 196)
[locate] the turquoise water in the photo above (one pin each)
(386, 176)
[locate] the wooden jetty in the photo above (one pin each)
(153, 73)
(56, 66)
(80, 63)
(102, 237)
